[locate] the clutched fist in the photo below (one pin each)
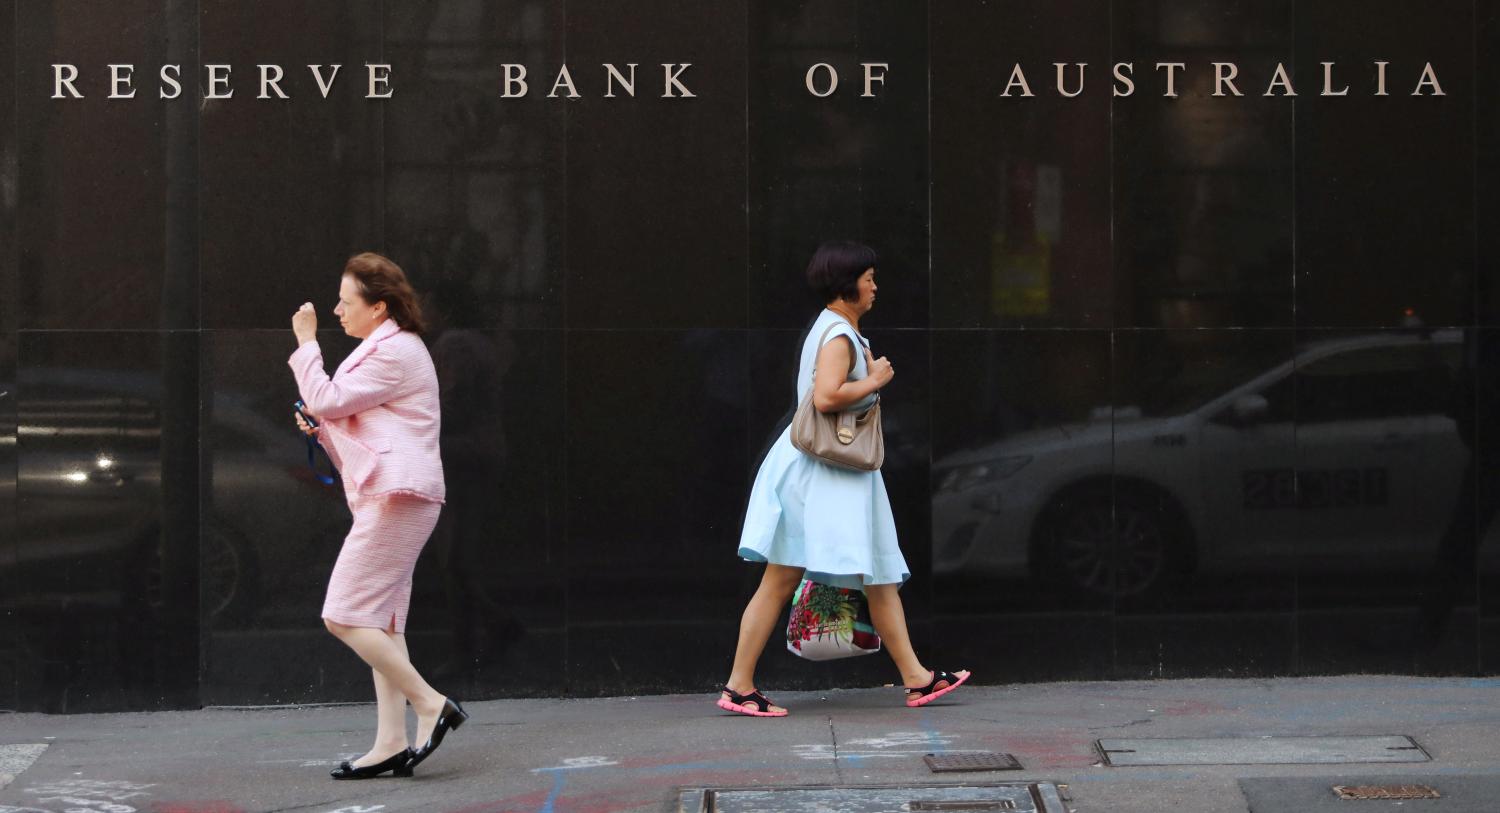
(305, 324)
(881, 370)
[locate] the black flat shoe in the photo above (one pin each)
(452, 717)
(397, 763)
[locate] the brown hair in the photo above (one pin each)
(381, 280)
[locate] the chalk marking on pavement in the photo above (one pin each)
(896, 739)
(825, 752)
(91, 795)
(895, 745)
(105, 789)
(88, 805)
(319, 763)
(16, 758)
(935, 739)
(359, 809)
(304, 762)
(578, 763)
(558, 779)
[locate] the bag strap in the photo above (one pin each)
(313, 447)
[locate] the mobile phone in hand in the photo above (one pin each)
(302, 410)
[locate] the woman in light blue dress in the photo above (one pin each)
(832, 524)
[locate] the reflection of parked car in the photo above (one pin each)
(1346, 453)
(89, 496)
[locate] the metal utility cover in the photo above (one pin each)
(1019, 797)
(1363, 792)
(1261, 750)
(1461, 793)
(971, 761)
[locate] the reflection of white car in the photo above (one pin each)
(1348, 452)
(91, 492)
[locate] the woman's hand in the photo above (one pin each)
(305, 324)
(303, 425)
(881, 370)
(831, 391)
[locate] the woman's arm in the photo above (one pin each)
(831, 391)
(375, 380)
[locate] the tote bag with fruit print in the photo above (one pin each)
(830, 622)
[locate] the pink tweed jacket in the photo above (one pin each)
(378, 416)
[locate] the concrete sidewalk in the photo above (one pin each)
(618, 754)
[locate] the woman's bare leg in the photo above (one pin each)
(386, 653)
(390, 727)
(890, 621)
(777, 585)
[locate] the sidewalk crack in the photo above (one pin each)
(838, 770)
(334, 800)
(1145, 721)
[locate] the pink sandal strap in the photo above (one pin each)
(942, 682)
(736, 702)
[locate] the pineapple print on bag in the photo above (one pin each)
(830, 622)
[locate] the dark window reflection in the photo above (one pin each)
(473, 181)
(1020, 215)
(102, 269)
(106, 558)
(1381, 233)
(842, 166)
(289, 188)
(1377, 382)
(1203, 184)
(10, 654)
(490, 582)
(270, 530)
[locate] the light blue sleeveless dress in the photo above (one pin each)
(834, 522)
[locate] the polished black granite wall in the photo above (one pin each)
(9, 642)
(1188, 386)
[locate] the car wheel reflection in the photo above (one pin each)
(1128, 545)
(229, 574)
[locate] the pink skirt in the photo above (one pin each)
(371, 582)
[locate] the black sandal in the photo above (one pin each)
(753, 704)
(942, 683)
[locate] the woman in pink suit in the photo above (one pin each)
(378, 419)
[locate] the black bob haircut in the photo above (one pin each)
(836, 267)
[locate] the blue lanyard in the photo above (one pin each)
(313, 446)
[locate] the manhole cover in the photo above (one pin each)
(1261, 751)
(1362, 792)
(971, 761)
(1017, 797)
(1460, 793)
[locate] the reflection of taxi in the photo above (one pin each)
(1349, 452)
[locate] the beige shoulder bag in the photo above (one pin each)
(850, 440)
